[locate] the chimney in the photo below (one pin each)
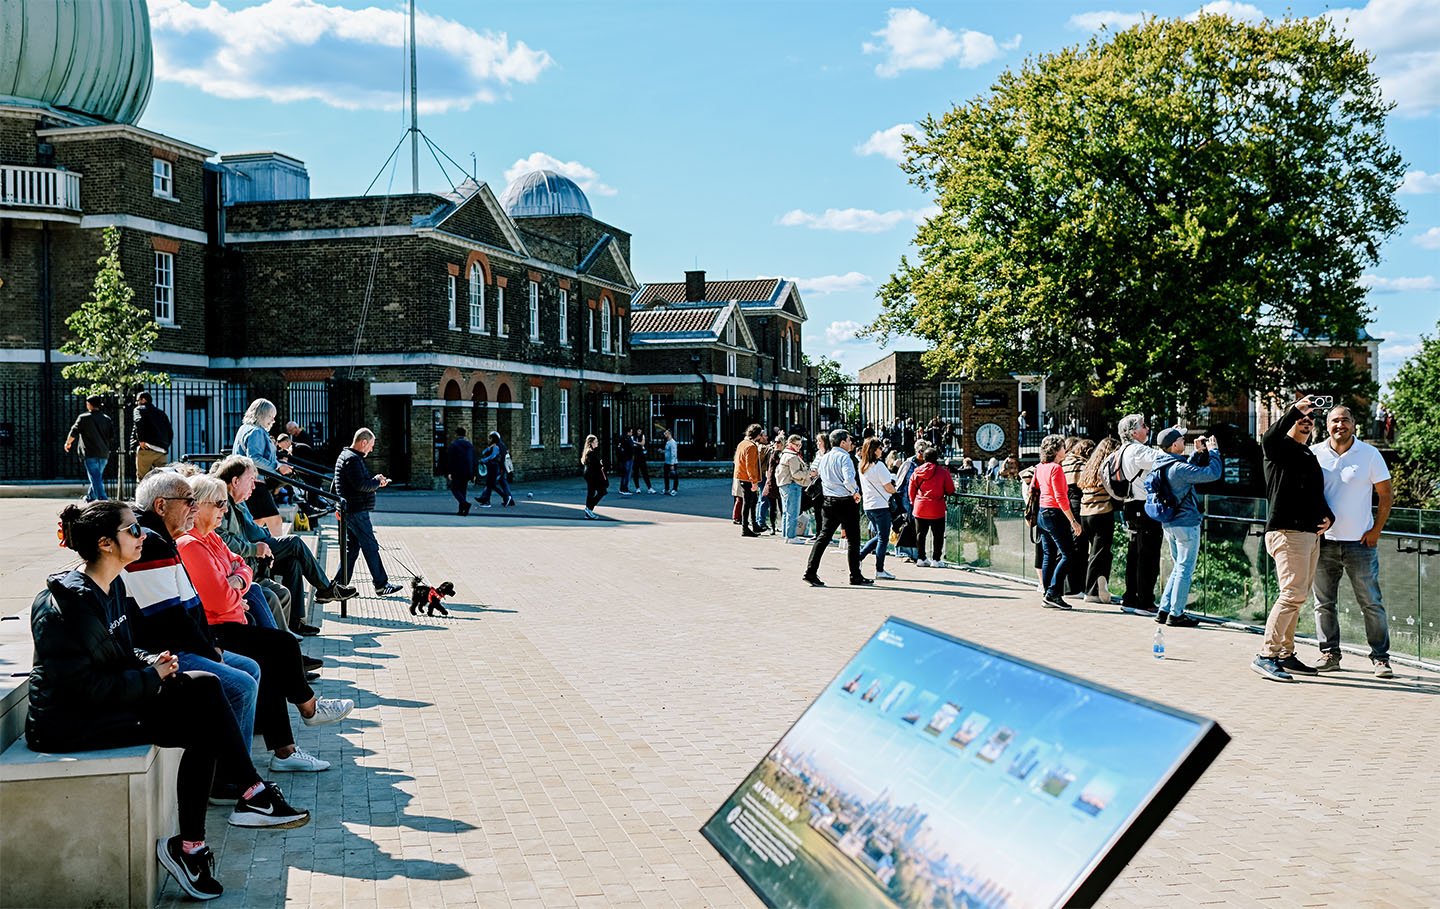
(694, 287)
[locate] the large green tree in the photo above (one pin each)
(1414, 399)
(1153, 217)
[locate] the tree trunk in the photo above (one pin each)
(124, 453)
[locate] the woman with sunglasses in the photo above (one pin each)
(91, 689)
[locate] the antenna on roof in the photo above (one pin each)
(414, 114)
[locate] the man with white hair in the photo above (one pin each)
(1142, 559)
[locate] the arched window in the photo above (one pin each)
(477, 298)
(605, 326)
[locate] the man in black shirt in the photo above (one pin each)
(1297, 515)
(151, 437)
(95, 432)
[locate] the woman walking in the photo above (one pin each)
(254, 442)
(814, 495)
(929, 485)
(876, 487)
(1077, 451)
(792, 477)
(596, 485)
(1057, 522)
(1097, 524)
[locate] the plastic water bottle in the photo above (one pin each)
(1158, 644)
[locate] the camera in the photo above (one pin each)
(1323, 402)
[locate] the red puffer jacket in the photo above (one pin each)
(929, 485)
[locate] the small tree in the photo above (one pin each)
(113, 335)
(1414, 400)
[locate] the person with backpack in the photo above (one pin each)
(1170, 499)
(1097, 522)
(496, 459)
(929, 484)
(1057, 523)
(1124, 477)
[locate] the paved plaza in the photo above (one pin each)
(600, 687)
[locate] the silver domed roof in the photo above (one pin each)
(92, 57)
(544, 192)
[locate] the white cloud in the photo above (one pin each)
(1404, 36)
(841, 332)
(830, 284)
(913, 40)
(1110, 19)
(888, 142)
(863, 220)
(1429, 240)
(1398, 285)
(1417, 183)
(587, 179)
(1242, 11)
(1397, 347)
(304, 50)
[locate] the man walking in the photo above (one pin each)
(672, 465)
(150, 437)
(841, 488)
(1353, 471)
(747, 474)
(460, 460)
(95, 431)
(354, 481)
(1142, 558)
(1298, 514)
(497, 475)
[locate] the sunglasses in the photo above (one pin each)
(135, 530)
(188, 500)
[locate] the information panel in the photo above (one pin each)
(935, 772)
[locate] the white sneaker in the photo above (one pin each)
(651, 492)
(939, 563)
(589, 514)
(626, 492)
(885, 575)
(922, 563)
(300, 761)
(329, 710)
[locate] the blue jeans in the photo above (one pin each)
(879, 542)
(496, 479)
(362, 537)
(239, 679)
(95, 470)
(1184, 543)
(1057, 545)
(1362, 564)
(259, 611)
(790, 496)
(762, 517)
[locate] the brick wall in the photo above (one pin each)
(118, 178)
(313, 214)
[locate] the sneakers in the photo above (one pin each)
(922, 563)
(194, 872)
(336, 592)
(1329, 662)
(798, 541)
(1183, 621)
(1269, 667)
(884, 576)
(1161, 616)
(626, 492)
(268, 809)
(860, 582)
(1382, 669)
(300, 762)
(308, 631)
(1054, 602)
(673, 492)
(1148, 611)
(1292, 664)
(813, 581)
(939, 563)
(652, 492)
(329, 710)
(385, 591)
(589, 514)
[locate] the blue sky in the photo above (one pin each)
(743, 138)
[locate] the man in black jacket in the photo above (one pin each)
(1297, 515)
(95, 433)
(150, 436)
(354, 481)
(460, 462)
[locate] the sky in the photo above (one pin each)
(742, 138)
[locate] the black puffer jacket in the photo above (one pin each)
(354, 481)
(87, 681)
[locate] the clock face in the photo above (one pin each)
(989, 436)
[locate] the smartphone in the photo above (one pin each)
(1323, 402)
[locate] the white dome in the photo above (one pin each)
(544, 192)
(92, 57)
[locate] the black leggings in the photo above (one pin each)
(641, 471)
(282, 676)
(593, 495)
(934, 526)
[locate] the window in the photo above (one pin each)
(590, 330)
(605, 325)
(564, 416)
(450, 294)
(500, 312)
(729, 364)
(657, 407)
(534, 311)
(534, 416)
(950, 402)
(565, 318)
(165, 288)
(730, 334)
(164, 180)
(619, 335)
(477, 299)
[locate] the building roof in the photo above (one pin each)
(93, 58)
(544, 192)
(688, 326)
(652, 321)
(754, 290)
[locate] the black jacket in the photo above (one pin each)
(460, 459)
(594, 469)
(1294, 483)
(152, 427)
(96, 433)
(165, 610)
(355, 482)
(88, 680)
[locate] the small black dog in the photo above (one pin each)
(423, 596)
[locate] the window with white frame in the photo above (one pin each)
(565, 318)
(564, 416)
(590, 330)
(605, 325)
(164, 178)
(730, 364)
(730, 331)
(500, 312)
(534, 416)
(450, 291)
(657, 407)
(477, 299)
(619, 334)
(950, 401)
(534, 310)
(165, 288)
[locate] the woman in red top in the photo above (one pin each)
(929, 485)
(1057, 523)
(221, 579)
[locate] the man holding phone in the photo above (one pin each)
(1297, 516)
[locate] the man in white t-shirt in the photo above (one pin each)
(1353, 471)
(1142, 557)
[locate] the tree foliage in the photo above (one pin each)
(1414, 400)
(1154, 217)
(828, 371)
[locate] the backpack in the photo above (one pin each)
(1112, 475)
(1032, 500)
(1160, 502)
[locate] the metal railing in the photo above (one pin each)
(39, 187)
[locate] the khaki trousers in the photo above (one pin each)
(146, 460)
(1296, 554)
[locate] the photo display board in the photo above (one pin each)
(936, 772)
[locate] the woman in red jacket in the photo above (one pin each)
(1057, 523)
(929, 485)
(221, 578)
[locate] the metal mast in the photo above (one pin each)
(414, 115)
